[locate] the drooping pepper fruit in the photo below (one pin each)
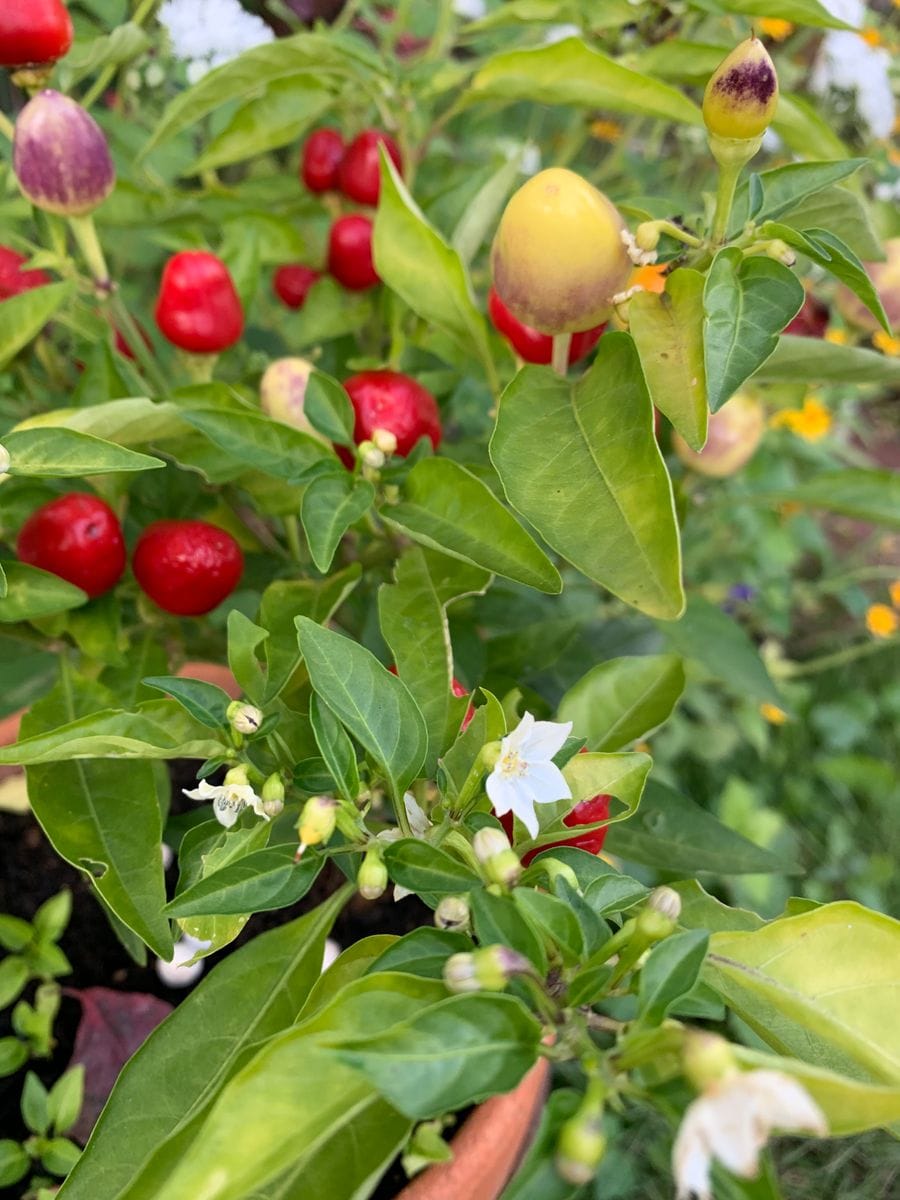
(323, 153)
(360, 170)
(60, 156)
(396, 403)
(532, 346)
(350, 258)
(742, 94)
(558, 258)
(33, 33)
(282, 391)
(291, 284)
(77, 537)
(198, 308)
(187, 567)
(13, 280)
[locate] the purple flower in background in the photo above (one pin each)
(738, 593)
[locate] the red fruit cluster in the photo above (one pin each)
(198, 308)
(587, 812)
(34, 33)
(13, 280)
(328, 165)
(186, 567)
(530, 344)
(395, 402)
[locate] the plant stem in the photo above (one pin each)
(126, 324)
(838, 659)
(560, 359)
(85, 233)
(100, 84)
(292, 536)
(728, 177)
(198, 367)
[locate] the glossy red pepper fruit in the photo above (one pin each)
(528, 343)
(33, 32)
(77, 537)
(360, 173)
(187, 567)
(350, 253)
(291, 284)
(198, 308)
(392, 401)
(13, 280)
(587, 812)
(323, 153)
(811, 320)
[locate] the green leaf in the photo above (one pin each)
(63, 452)
(818, 986)
(244, 639)
(52, 917)
(555, 919)
(15, 934)
(205, 702)
(349, 966)
(803, 12)
(32, 593)
(312, 54)
(807, 360)
(414, 261)
(536, 1177)
(59, 1156)
(64, 1101)
(14, 1162)
(101, 816)
(668, 332)
(258, 882)
(602, 497)
(845, 215)
(331, 504)
(456, 1052)
(413, 616)
(449, 509)
(623, 699)
(783, 188)
(711, 637)
(328, 407)
(34, 1104)
(423, 868)
(672, 833)
(14, 974)
(13, 1056)
(570, 73)
(263, 444)
(482, 215)
(161, 1095)
(849, 1105)
(805, 130)
(280, 115)
(669, 973)
(867, 495)
(335, 747)
(700, 910)
(122, 45)
(748, 301)
(127, 422)
(374, 705)
(156, 729)
(833, 255)
(285, 600)
(23, 317)
(422, 952)
(619, 775)
(499, 921)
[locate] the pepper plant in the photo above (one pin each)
(392, 542)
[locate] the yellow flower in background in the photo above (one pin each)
(606, 131)
(776, 28)
(886, 344)
(881, 621)
(811, 422)
(837, 337)
(894, 589)
(772, 713)
(871, 37)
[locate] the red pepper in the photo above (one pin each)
(77, 537)
(292, 283)
(323, 153)
(33, 32)
(392, 401)
(13, 280)
(198, 308)
(350, 253)
(360, 173)
(187, 567)
(528, 343)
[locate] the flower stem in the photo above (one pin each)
(198, 367)
(85, 233)
(728, 177)
(560, 359)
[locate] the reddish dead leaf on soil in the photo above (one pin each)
(113, 1025)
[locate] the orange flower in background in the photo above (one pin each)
(776, 28)
(651, 278)
(606, 131)
(772, 713)
(811, 422)
(838, 337)
(894, 589)
(871, 37)
(886, 344)
(881, 621)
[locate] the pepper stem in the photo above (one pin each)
(198, 367)
(85, 233)
(732, 155)
(560, 359)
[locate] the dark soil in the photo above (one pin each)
(31, 872)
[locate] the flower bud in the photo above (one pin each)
(373, 876)
(371, 456)
(385, 441)
(60, 156)
(707, 1058)
(4, 460)
(317, 820)
(654, 923)
(781, 252)
(501, 863)
(272, 795)
(487, 969)
(237, 777)
(452, 913)
(666, 902)
(742, 94)
(282, 391)
(244, 718)
(581, 1147)
(735, 432)
(558, 257)
(459, 973)
(646, 235)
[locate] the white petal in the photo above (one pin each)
(501, 792)
(729, 1116)
(785, 1103)
(204, 792)
(546, 783)
(691, 1159)
(400, 893)
(522, 805)
(415, 814)
(544, 739)
(226, 810)
(256, 803)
